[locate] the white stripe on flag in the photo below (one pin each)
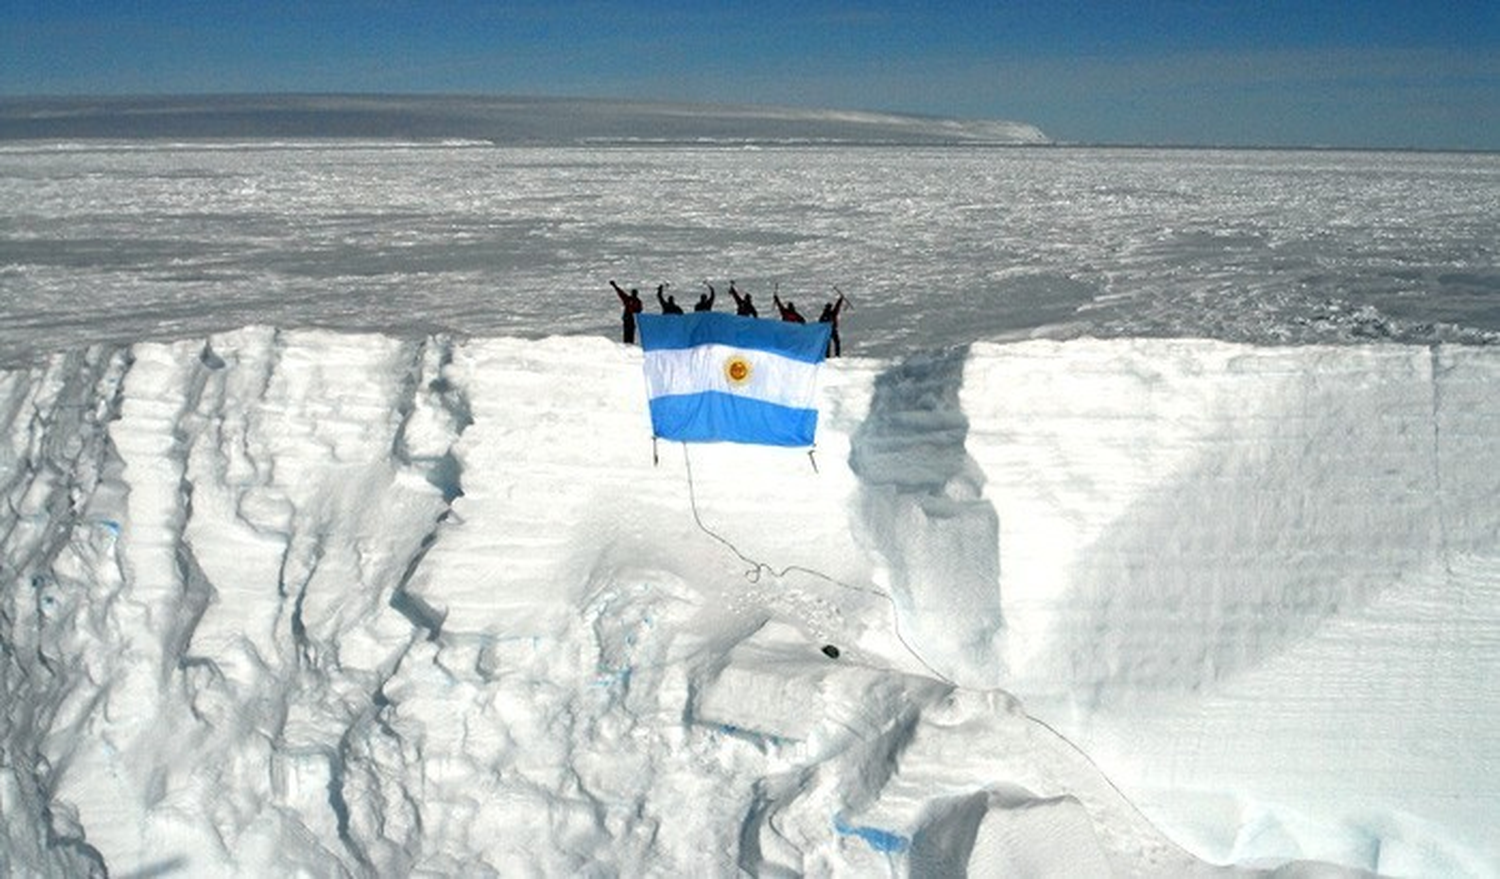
(772, 378)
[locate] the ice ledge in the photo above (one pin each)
(338, 602)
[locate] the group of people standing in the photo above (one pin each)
(744, 306)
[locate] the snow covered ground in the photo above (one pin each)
(1153, 518)
(321, 602)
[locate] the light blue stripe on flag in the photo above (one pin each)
(716, 417)
(719, 377)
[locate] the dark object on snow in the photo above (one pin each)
(830, 651)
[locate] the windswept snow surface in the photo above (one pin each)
(334, 603)
(124, 241)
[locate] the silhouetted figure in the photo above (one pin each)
(632, 307)
(668, 303)
(830, 315)
(706, 300)
(788, 310)
(743, 306)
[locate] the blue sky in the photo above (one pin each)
(1378, 73)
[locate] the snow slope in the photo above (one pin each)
(307, 601)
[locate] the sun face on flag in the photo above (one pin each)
(738, 370)
(724, 378)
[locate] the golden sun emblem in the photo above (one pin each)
(737, 369)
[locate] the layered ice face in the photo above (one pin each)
(309, 600)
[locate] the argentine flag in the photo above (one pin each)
(721, 377)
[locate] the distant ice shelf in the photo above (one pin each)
(481, 119)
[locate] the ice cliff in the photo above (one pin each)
(348, 604)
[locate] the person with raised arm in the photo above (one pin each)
(830, 315)
(706, 300)
(668, 303)
(788, 310)
(631, 302)
(743, 306)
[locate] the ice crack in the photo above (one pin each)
(434, 414)
(923, 507)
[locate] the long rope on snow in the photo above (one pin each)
(757, 568)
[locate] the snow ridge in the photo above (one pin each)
(285, 601)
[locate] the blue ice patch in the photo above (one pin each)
(882, 841)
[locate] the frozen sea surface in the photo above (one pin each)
(936, 246)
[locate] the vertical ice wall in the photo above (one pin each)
(348, 604)
(202, 547)
(59, 575)
(281, 601)
(1266, 576)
